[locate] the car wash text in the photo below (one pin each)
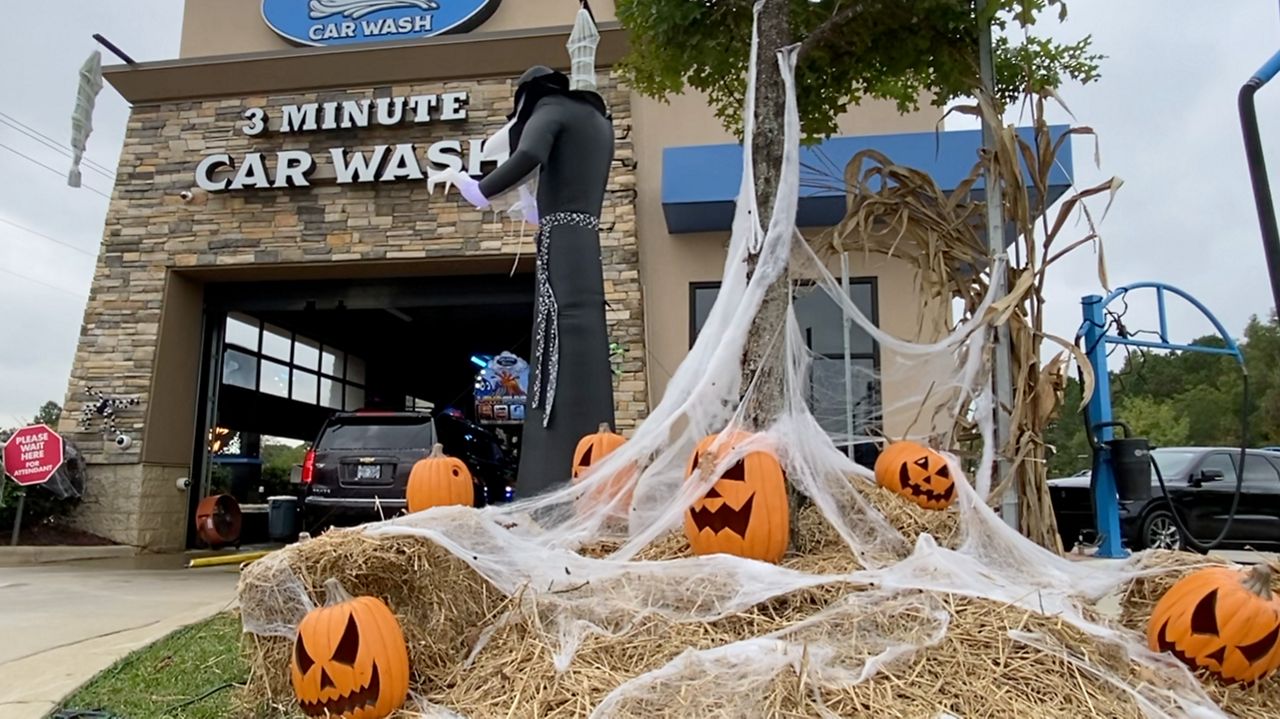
(221, 172)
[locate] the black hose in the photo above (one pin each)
(1096, 447)
(1235, 501)
(1261, 184)
(1093, 465)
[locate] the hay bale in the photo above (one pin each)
(442, 603)
(976, 670)
(816, 547)
(518, 658)
(910, 519)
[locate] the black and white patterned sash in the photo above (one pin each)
(548, 329)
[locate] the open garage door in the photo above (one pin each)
(285, 356)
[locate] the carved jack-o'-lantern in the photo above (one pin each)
(350, 660)
(1220, 619)
(917, 473)
(591, 449)
(439, 480)
(745, 512)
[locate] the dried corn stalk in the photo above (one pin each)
(901, 211)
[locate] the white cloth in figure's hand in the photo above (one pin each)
(528, 205)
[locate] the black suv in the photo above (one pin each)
(359, 466)
(1202, 484)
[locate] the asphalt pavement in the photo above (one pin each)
(62, 624)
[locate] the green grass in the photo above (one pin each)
(152, 682)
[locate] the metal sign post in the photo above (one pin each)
(1003, 378)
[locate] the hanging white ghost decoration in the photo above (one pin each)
(582, 45)
(82, 117)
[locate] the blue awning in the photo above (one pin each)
(700, 182)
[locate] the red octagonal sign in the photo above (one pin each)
(32, 455)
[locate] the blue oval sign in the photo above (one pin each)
(346, 22)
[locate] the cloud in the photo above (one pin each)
(43, 49)
(1166, 117)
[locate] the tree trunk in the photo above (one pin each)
(762, 361)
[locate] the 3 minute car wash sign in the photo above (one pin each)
(346, 22)
(221, 172)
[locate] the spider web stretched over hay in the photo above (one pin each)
(574, 578)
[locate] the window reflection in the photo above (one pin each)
(239, 370)
(276, 342)
(275, 361)
(242, 330)
(306, 354)
(275, 379)
(304, 386)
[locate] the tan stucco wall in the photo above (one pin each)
(669, 263)
(229, 27)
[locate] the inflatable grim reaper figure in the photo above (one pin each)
(566, 135)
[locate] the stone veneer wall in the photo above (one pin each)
(150, 232)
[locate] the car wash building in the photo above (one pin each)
(275, 250)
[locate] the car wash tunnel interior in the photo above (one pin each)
(282, 357)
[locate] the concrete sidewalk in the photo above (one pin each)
(62, 624)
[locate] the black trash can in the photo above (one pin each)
(1131, 463)
(282, 518)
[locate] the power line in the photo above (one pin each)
(54, 240)
(57, 172)
(33, 280)
(58, 148)
(62, 151)
(36, 134)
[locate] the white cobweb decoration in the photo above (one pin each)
(528, 549)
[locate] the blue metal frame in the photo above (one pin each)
(1093, 330)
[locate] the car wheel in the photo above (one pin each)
(1160, 531)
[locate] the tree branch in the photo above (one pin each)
(828, 27)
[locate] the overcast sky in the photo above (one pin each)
(1164, 109)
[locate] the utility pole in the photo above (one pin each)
(1003, 379)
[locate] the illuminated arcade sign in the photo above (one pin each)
(346, 22)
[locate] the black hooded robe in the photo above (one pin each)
(568, 138)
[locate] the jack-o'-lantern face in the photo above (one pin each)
(615, 491)
(745, 512)
(918, 474)
(1222, 620)
(350, 660)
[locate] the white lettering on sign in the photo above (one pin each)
(256, 117)
(34, 453)
(299, 118)
(220, 172)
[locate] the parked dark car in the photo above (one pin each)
(359, 466)
(1201, 482)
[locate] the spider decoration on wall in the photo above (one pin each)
(104, 407)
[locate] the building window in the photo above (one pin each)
(821, 321)
(275, 361)
(416, 404)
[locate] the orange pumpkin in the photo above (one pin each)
(1223, 620)
(439, 480)
(591, 449)
(745, 512)
(350, 660)
(917, 473)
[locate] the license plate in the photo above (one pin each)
(369, 472)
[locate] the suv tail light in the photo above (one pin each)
(309, 467)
